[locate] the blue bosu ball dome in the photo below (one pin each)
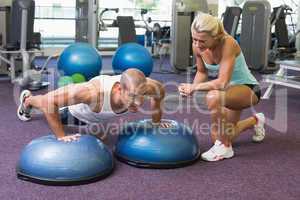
(142, 145)
(49, 160)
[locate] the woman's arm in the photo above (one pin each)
(201, 74)
(225, 72)
(227, 62)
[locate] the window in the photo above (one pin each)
(55, 19)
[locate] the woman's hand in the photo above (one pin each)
(186, 89)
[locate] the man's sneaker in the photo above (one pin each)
(259, 129)
(218, 152)
(24, 113)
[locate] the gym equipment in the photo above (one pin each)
(127, 31)
(86, 22)
(104, 26)
(18, 48)
(81, 21)
(4, 24)
(281, 77)
(50, 161)
(255, 38)
(183, 12)
(143, 145)
(80, 58)
(231, 19)
(297, 35)
(128, 34)
(64, 80)
(4, 33)
(153, 33)
(281, 47)
(20, 17)
(159, 39)
(78, 78)
(132, 55)
(255, 33)
(162, 47)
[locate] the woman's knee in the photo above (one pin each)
(213, 99)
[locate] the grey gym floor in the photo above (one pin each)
(269, 170)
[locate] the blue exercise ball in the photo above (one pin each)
(132, 55)
(142, 145)
(50, 161)
(80, 58)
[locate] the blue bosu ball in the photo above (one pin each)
(49, 160)
(142, 145)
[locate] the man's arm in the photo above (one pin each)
(157, 93)
(65, 96)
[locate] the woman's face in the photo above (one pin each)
(203, 40)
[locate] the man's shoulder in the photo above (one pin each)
(151, 81)
(106, 77)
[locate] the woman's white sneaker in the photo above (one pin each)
(259, 128)
(217, 152)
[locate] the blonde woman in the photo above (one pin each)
(234, 90)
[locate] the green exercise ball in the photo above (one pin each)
(78, 78)
(64, 80)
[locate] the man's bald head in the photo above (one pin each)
(133, 79)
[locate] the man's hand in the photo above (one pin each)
(186, 89)
(69, 138)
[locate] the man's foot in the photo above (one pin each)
(218, 152)
(259, 129)
(23, 113)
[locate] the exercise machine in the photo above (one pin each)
(87, 28)
(127, 27)
(18, 50)
(183, 13)
(231, 18)
(297, 35)
(158, 37)
(102, 25)
(261, 51)
(255, 33)
(283, 76)
(282, 46)
(4, 35)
